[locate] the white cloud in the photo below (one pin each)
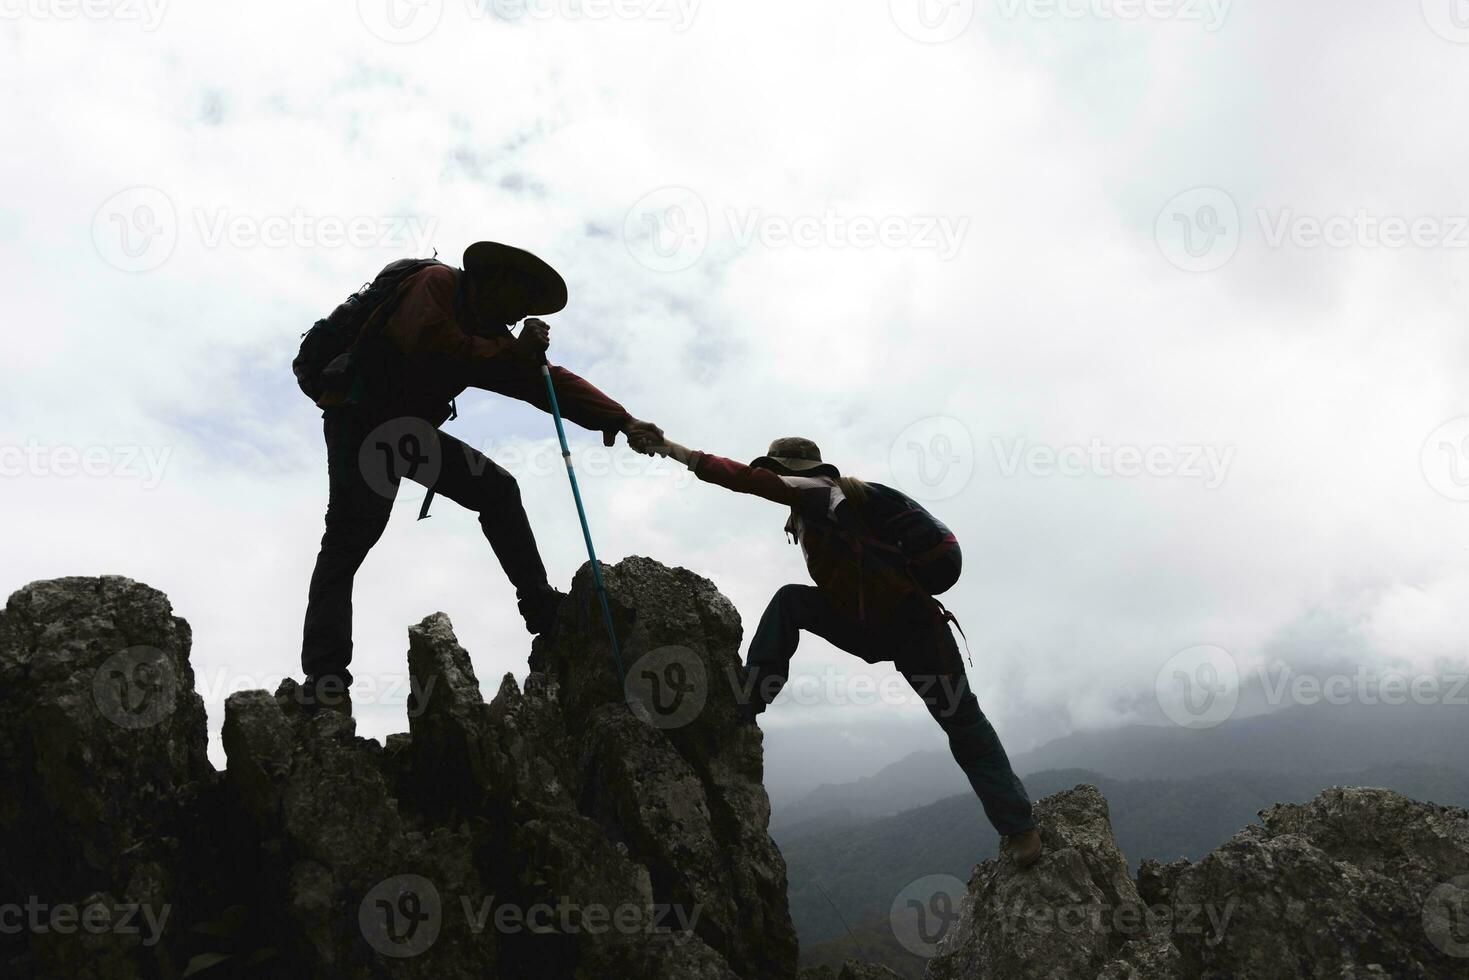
(1057, 321)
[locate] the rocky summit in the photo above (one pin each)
(1357, 883)
(569, 827)
(585, 825)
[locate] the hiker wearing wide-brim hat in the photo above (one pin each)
(878, 558)
(410, 343)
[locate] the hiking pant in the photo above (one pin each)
(924, 651)
(364, 481)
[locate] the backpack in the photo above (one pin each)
(930, 551)
(339, 364)
(880, 556)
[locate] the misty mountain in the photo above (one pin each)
(862, 866)
(1319, 738)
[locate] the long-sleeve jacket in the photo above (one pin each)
(859, 572)
(441, 358)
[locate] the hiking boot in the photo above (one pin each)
(1025, 848)
(326, 694)
(539, 609)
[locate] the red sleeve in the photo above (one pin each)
(581, 401)
(424, 323)
(743, 479)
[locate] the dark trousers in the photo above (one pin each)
(365, 464)
(924, 651)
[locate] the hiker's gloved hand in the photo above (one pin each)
(642, 436)
(535, 337)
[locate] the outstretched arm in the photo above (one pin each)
(732, 475)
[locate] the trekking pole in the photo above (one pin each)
(581, 512)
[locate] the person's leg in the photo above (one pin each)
(793, 608)
(474, 481)
(939, 679)
(356, 515)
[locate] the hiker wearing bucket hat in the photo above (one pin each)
(419, 335)
(878, 558)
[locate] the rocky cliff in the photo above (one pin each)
(582, 827)
(566, 828)
(1356, 883)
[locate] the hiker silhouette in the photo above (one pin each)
(878, 559)
(386, 368)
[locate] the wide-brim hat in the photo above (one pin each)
(795, 456)
(548, 289)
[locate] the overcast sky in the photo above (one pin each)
(1160, 305)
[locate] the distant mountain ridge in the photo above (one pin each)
(861, 866)
(1320, 738)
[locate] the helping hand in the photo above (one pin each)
(643, 437)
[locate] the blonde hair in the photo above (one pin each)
(853, 489)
